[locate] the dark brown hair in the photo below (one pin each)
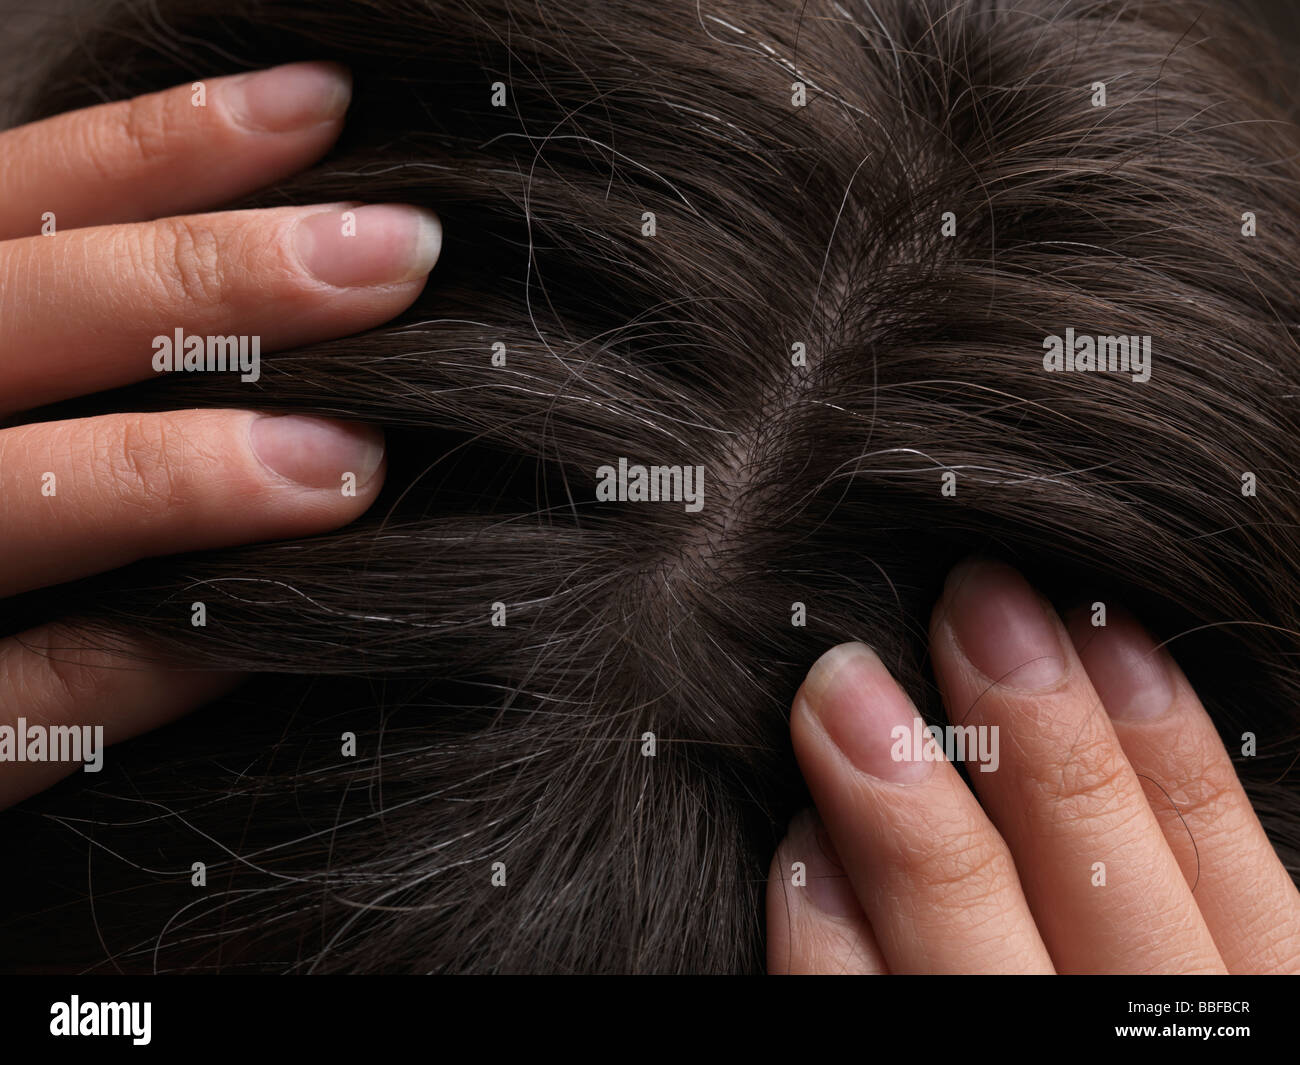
(948, 193)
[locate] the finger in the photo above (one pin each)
(1244, 893)
(93, 494)
(97, 308)
(934, 879)
(1106, 891)
(62, 701)
(815, 924)
(196, 146)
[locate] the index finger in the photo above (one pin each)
(184, 149)
(935, 880)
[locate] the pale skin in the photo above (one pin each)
(1074, 855)
(923, 875)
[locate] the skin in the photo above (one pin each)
(1106, 759)
(131, 259)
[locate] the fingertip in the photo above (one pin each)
(860, 708)
(290, 97)
(1132, 676)
(318, 453)
(376, 244)
(1002, 627)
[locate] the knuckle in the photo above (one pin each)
(967, 862)
(47, 676)
(186, 258)
(1091, 777)
(142, 464)
(73, 682)
(147, 129)
(1200, 800)
(144, 131)
(1205, 787)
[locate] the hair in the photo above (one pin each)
(652, 226)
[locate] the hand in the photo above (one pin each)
(1073, 854)
(117, 263)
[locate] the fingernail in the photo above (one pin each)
(862, 709)
(290, 97)
(317, 452)
(380, 244)
(1130, 674)
(1002, 626)
(826, 886)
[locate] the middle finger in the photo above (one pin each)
(80, 310)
